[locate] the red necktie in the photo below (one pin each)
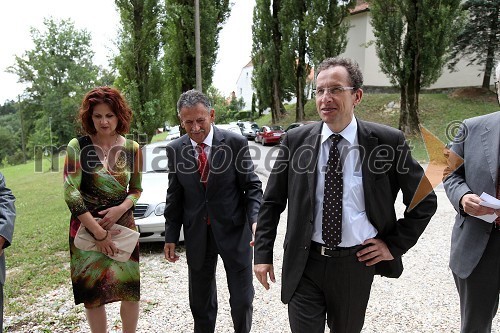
(203, 167)
(202, 163)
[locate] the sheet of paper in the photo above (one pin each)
(488, 218)
(489, 201)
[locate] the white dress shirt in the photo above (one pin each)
(356, 228)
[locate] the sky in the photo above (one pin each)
(101, 20)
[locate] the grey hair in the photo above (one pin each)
(191, 98)
(352, 67)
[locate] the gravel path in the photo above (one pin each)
(423, 299)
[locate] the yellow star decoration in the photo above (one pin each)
(442, 162)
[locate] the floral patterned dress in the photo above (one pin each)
(90, 187)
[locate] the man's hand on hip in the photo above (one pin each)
(375, 251)
(261, 271)
(169, 250)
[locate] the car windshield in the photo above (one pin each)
(276, 128)
(154, 158)
(255, 126)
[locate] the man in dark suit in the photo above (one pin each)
(475, 243)
(342, 228)
(217, 204)
(7, 218)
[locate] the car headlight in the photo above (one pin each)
(160, 208)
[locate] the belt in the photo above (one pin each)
(334, 251)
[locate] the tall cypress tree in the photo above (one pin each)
(312, 31)
(139, 65)
(412, 41)
(267, 77)
(179, 47)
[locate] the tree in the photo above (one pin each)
(218, 102)
(479, 40)
(312, 31)
(58, 71)
(179, 46)
(139, 64)
(268, 73)
(9, 107)
(253, 110)
(412, 40)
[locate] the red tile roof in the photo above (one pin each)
(361, 6)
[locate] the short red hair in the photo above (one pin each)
(116, 102)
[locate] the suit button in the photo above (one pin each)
(305, 247)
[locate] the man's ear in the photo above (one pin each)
(212, 115)
(359, 97)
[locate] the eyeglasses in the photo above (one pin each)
(332, 91)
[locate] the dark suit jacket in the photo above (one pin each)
(387, 167)
(478, 143)
(231, 199)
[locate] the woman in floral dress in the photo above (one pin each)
(102, 179)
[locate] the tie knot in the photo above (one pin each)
(201, 146)
(335, 138)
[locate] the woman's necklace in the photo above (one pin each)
(106, 151)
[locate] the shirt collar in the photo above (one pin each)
(208, 140)
(348, 133)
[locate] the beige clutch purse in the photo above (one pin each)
(125, 241)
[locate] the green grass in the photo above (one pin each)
(159, 137)
(37, 260)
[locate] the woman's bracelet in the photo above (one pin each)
(100, 240)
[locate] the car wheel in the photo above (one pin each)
(263, 141)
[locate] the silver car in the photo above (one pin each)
(248, 129)
(149, 209)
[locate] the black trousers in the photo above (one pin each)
(333, 288)
(203, 293)
(479, 292)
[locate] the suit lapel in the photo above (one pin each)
(491, 146)
(313, 140)
(367, 143)
(217, 155)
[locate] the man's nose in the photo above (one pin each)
(327, 96)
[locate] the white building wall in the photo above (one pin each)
(359, 36)
(361, 33)
(244, 87)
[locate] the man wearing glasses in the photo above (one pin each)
(341, 177)
(475, 243)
